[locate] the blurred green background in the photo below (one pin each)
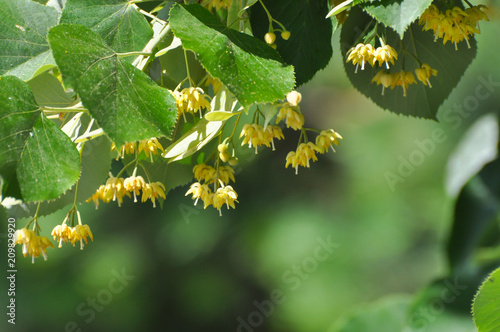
(261, 267)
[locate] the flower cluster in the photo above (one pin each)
(366, 53)
(218, 4)
(404, 78)
(191, 100)
(307, 151)
(66, 234)
(117, 188)
(220, 177)
(151, 147)
(454, 24)
(33, 245)
(256, 135)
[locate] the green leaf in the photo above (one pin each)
(397, 14)
(50, 163)
(421, 101)
(249, 68)
(309, 48)
(18, 113)
(23, 45)
(339, 8)
(48, 91)
(127, 104)
(193, 140)
(477, 147)
(118, 22)
(486, 304)
(219, 116)
(96, 163)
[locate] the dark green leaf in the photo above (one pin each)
(50, 163)
(24, 50)
(249, 68)
(18, 113)
(476, 210)
(118, 22)
(309, 48)
(397, 14)
(486, 304)
(128, 105)
(421, 101)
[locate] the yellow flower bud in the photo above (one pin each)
(285, 35)
(270, 37)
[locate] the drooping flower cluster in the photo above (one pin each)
(307, 151)
(220, 177)
(366, 53)
(191, 100)
(116, 189)
(151, 147)
(65, 233)
(404, 78)
(33, 245)
(454, 24)
(256, 135)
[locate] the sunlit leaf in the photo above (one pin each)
(118, 22)
(249, 68)
(127, 104)
(49, 164)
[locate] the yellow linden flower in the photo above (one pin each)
(384, 78)
(386, 54)
(404, 79)
(200, 191)
(32, 244)
(114, 190)
(292, 118)
(63, 232)
(150, 147)
(153, 191)
(204, 172)
(274, 132)
(80, 233)
(454, 24)
(224, 195)
(361, 53)
(215, 83)
(191, 100)
(226, 173)
(424, 73)
(301, 157)
(134, 184)
(326, 139)
(255, 135)
(127, 148)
